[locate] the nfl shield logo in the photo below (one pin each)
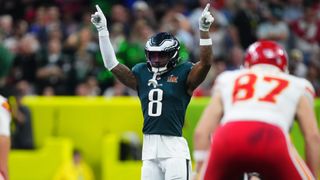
(172, 79)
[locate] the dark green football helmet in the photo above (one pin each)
(162, 52)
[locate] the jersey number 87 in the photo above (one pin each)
(246, 83)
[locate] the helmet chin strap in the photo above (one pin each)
(156, 72)
(153, 81)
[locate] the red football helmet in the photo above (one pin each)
(266, 52)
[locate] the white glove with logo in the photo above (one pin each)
(99, 20)
(206, 19)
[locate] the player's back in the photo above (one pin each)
(261, 93)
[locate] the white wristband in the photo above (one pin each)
(200, 155)
(205, 42)
(104, 32)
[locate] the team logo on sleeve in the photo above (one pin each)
(6, 106)
(172, 79)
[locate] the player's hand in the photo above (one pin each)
(99, 20)
(198, 166)
(206, 19)
(195, 175)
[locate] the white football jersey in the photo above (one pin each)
(261, 93)
(5, 117)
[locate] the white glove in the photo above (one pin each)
(99, 20)
(206, 19)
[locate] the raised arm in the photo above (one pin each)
(122, 72)
(201, 68)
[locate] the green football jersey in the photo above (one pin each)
(164, 107)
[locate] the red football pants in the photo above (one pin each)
(251, 146)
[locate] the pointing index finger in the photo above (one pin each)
(98, 9)
(206, 9)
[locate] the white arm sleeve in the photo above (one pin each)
(109, 58)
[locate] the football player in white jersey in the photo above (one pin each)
(5, 118)
(249, 118)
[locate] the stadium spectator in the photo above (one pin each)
(12, 41)
(120, 14)
(131, 52)
(130, 146)
(293, 10)
(22, 135)
(296, 64)
(48, 91)
(234, 58)
(82, 89)
(313, 75)
(118, 89)
(164, 89)
(306, 31)
(177, 24)
(78, 169)
(93, 86)
(5, 119)
(219, 33)
(117, 36)
(142, 11)
(25, 62)
(39, 28)
(171, 23)
(84, 50)
(246, 21)
(24, 88)
(55, 69)
(250, 116)
(6, 24)
(274, 28)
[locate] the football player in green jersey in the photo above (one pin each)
(165, 89)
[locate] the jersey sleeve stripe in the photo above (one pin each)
(309, 90)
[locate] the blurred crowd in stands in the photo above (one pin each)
(50, 47)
